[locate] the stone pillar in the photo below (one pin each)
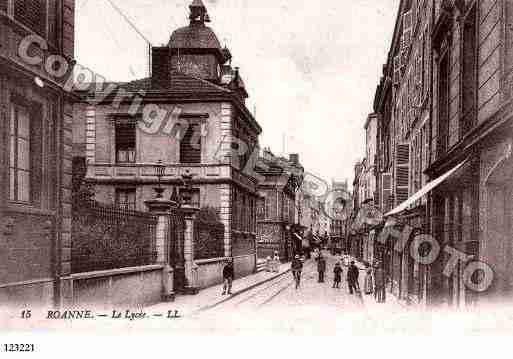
(191, 269)
(161, 208)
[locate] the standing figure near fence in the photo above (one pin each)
(228, 277)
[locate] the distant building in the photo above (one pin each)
(277, 188)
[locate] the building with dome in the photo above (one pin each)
(191, 115)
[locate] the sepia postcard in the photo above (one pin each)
(275, 167)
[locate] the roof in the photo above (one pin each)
(180, 83)
(194, 36)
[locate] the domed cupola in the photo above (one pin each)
(195, 49)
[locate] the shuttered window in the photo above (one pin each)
(126, 198)
(190, 145)
(31, 13)
(25, 153)
(386, 181)
(125, 141)
(397, 69)
(443, 105)
(53, 21)
(407, 36)
(469, 72)
(402, 173)
(3, 5)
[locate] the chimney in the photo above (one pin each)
(160, 71)
(294, 158)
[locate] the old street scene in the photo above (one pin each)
(280, 166)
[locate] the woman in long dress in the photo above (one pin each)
(369, 282)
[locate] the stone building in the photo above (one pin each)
(35, 151)
(444, 139)
(191, 115)
(280, 180)
(472, 128)
(338, 206)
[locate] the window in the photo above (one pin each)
(31, 13)
(125, 198)
(25, 153)
(3, 5)
(443, 104)
(125, 141)
(190, 145)
(469, 73)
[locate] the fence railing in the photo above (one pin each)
(209, 239)
(105, 237)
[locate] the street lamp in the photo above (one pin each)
(159, 172)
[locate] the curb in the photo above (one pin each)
(210, 306)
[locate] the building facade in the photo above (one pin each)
(35, 151)
(277, 214)
(191, 116)
(444, 110)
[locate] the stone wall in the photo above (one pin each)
(119, 288)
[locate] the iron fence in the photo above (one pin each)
(209, 239)
(105, 237)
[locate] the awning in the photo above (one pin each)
(424, 190)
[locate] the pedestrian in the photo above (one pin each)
(276, 262)
(379, 283)
(368, 287)
(337, 271)
(321, 267)
(228, 277)
(297, 267)
(352, 278)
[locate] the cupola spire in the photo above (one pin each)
(199, 12)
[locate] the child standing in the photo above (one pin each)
(337, 271)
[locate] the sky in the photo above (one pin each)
(310, 67)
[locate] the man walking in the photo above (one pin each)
(321, 267)
(352, 278)
(297, 267)
(337, 271)
(228, 277)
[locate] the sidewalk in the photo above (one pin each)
(210, 297)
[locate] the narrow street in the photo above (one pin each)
(278, 306)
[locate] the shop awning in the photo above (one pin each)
(424, 190)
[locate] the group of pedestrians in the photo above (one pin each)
(374, 281)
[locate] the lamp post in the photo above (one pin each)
(159, 172)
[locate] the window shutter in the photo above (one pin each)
(191, 152)
(31, 13)
(397, 69)
(386, 181)
(407, 34)
(402, 172)
(53, 19)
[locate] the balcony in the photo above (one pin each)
(145, 172)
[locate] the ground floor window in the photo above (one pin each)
(126, 198)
